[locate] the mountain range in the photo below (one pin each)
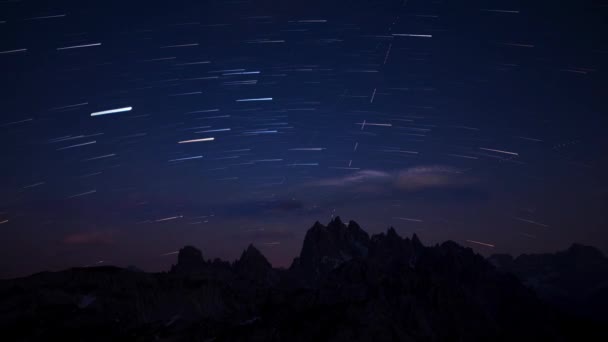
(344, 286)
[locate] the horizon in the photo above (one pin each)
(485, 252)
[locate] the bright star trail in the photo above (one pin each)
(112, 111)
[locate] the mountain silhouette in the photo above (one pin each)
(343, 286)
(574, 280)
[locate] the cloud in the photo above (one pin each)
(412, 179)
(430, 177)
(360, 177)
(89, 238)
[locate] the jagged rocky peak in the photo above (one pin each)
(458, 256)
(189, 259)
(326, 247)
(190, 255)
(450, 245)
(391, 246)
(354, 226)
(253, 266)
(355, 230)
(416, 241)
(252, 258)
(391, 233)
(336, 222)
(390, 236)
(348, 234)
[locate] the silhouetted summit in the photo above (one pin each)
(189, 259)
(252, 258)
(253, 266)
(326, 247)
(344, 286)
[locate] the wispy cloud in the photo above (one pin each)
(359, 177)
(411, 179)
(430, 177)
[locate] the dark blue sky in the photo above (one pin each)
(129, 129)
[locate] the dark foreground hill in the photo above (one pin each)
(574, 280)
(344, 286)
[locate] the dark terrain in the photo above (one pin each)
(344, 286)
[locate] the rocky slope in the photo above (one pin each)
(344, 286)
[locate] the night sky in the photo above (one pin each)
(129, 128)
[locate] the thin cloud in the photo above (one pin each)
(359, 177)
(411, 179)
(430, 177)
